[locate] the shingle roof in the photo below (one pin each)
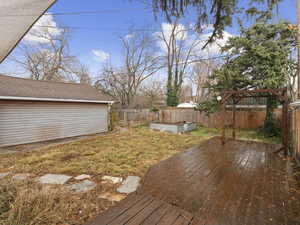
(21, 87)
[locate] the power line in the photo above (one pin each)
(76, 13)
(95, 28)
(107, 28)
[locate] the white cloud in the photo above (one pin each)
(181, 34)
(129, 36)
(180, 31)
(42, 30)
(199, 40)
(100, 55)
(214, 48)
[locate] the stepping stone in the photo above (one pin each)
(112, 196)
(114, 180)
(83, 186)
(54, 179)
(21, 176)
(82, 177)
(2, 175)
(130, 185)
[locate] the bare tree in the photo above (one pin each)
(199, 77)
(154, 91)
(140, 63)
(82, 74)
(114, 83)
(179, 52)
(49, 59)
(186, 94)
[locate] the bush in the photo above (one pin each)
(209, 106)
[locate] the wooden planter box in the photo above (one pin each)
(175, 128)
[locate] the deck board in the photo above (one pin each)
(242, 182)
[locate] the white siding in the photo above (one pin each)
(26, 122)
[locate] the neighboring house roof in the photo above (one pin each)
(187, 105)
(13, 88)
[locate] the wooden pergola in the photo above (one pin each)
(236, 96)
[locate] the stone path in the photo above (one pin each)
(83, 177)
(82, 183)
(114, 180)
(2, 175)
(83, 186)
(54, 179)
(21, 176)
(130, 185)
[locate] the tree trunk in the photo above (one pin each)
(270, 124)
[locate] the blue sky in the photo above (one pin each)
(111, 25)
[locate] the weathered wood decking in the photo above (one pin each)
(239, 183)
(141, 208)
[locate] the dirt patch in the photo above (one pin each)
(69, 157)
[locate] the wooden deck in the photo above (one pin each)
(241, 183)
(141, 208)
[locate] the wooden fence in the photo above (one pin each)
(295, 131)
(249, 118)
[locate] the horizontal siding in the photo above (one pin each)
(27, 122)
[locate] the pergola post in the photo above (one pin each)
(223, 112)
(284, 127)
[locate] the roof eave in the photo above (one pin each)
(16, 98)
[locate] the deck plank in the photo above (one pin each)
(133, 211)
(242, 182)
(156, 216)
(145, 213)
(117, 210)
(170, 217)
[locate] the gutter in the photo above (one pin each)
(53, 100)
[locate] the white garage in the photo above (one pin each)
(34, 111)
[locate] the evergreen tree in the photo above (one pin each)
(219, 13)
(258, 59)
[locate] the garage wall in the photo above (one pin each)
(27, 122)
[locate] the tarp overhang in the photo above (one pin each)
(16, 19)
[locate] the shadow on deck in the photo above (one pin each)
(242, 182)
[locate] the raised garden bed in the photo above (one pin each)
(175, 128)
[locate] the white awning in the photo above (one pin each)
(16, 19)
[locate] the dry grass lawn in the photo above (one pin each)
(120, 154)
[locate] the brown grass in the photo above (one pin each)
(120, 154)
(26, 203)
(131, 152)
